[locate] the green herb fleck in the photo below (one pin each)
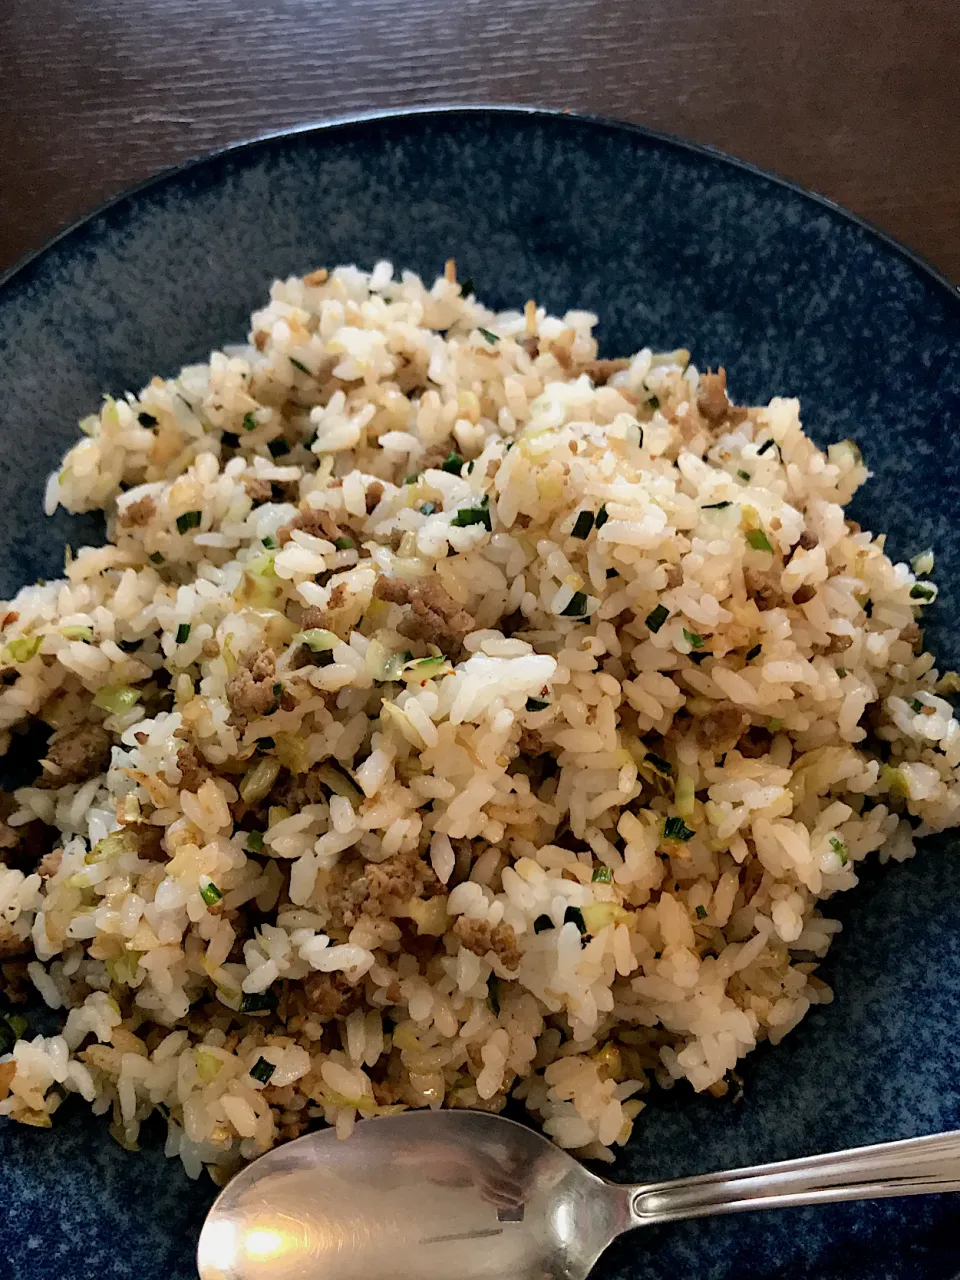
(577, 606)
(129, 646)
(344, 544)
(257, 1002)
(766, 446)
(537, 704)
(920, 591)
(583, 524)
(255, 841)
(715, 506)
(915, 705)
(657, 617)
(270, 542)
(744, 475)
(774, 725)
(694, 640)
(542, 923)
(452, 463)
(302, 367)
(602, 517)
(249, 422)
(467, 516)
(467, 288)
(493, 993)
(146, 419)
(278, 448)
(754, 652)
(658, 762)
(78, 633)
(602, 875)
(840, 849)
(490, 337)
(156, 558)
(189, 520)
(573, 915)
(759, 540)
(210, 894)
(842, 672)
(701, 912)
(654, 402)
(183, 632)
(412, 478)
(262, 1070)
(677, 829)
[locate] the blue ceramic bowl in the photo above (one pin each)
(672, 245)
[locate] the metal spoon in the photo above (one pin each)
(430, 1195)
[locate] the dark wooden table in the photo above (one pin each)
(858, 99)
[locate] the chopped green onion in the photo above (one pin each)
(658, 762)
(270, 542)
(470, 465)
(694, 640)
(684, 795)
(774, 725)
(344, 544)
(278, 690)
(189, 520)
(493, 993)
(602, 517)
(915, 705)
(840, 849)
(257, 1002)
(842, 672)
(278, 447)
(249, 422)
(302, 367)
(155, 557)
(612, 573)
(452, 463)
(183, 633)
(583, 524)
(146, 419)
(412, 478)
(129, 646)
(210, 894)
(654, 402)
(490, 337)
(428, 509)
(701, 912)
(576, 608)
(715, 506)
(317, 639)
(78, 633)
(23, 648)
(573, 915)
(467, 288)
(921, 591)
(208, 1065)
(602, 875)
(17, 1024)
(754, 652)
(759, 540)
(677, 829)
(744, 475)
(467, 516)
(116, 699)
(255, 841)
(536, 704)
(262, 1070)
(657, 617)
(543, 923)
(767, 445)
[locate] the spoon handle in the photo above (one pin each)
(916, 1166)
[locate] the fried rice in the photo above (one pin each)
(450, 717)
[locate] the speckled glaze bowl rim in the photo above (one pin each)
(438, 112)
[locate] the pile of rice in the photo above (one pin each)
(450, 716)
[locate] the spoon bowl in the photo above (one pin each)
(431, 1195)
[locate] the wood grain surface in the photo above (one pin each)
(858, 99)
